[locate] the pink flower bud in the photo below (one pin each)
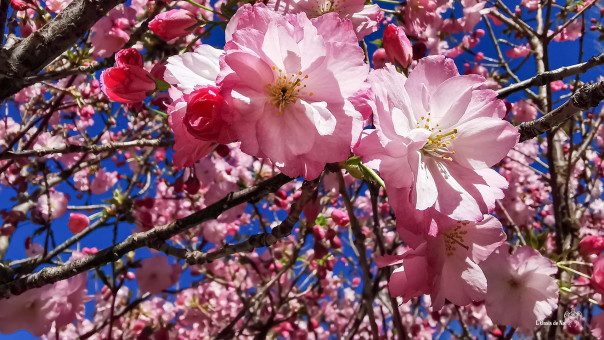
(311, 211)
(379, 58)
(203, 113)
(397, 45)
(597, 278)
(318, 232)
(336, 243)
(340, 218)
(591, 245)
(479, 56)
(127, 83)
(128, 56)
(78, 222)
(173, 24)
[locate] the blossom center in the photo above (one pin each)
(286, 88)
(438, 144)
(454, 238)
(324, 7)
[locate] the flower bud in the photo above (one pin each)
(203, 113)
(590, 245)
(340, 218)
(173, 24)
(379, 58)
(397, 45)
(78, 222)
(126, 84)
(128, 56)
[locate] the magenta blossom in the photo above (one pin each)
(288, 79)
(427, 130)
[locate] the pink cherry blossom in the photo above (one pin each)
(521, 289)
(524, 111)
(288, 79)
(365, 18)
(427, 127)
(113, 31)
(54, 204)
(446, 267)
(155, 274)
(518, 51)
(186, 73)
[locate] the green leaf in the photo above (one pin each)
(161, 85)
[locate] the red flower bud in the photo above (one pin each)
(127, 83)
(78, 222)
(340, 218)
(379, 58)
(128, 56)
(203, 113)
(590, 245)
(397, 45)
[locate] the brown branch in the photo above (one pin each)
(574, 17)
(576, 156)
(143, 239)
(359, 243)
(95, 149)
(3, 15)
(586, 97)
(94, 66)
(284, 229)
(547, 77)
(33, 53)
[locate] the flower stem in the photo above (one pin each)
(568, 269)
(192, 2)
(374, 176)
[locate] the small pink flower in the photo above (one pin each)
(397, 45)
(519, 51)
(78, 222)
(524, 111)
(521, 289)
(156, 275)
(558, 85)
(173, 24)
(103, 181)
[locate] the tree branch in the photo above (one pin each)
(3, 15)
(586, 97)
(284, 229)
(33, 53)
(143, 239)
(547, 77)
(95, 149)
